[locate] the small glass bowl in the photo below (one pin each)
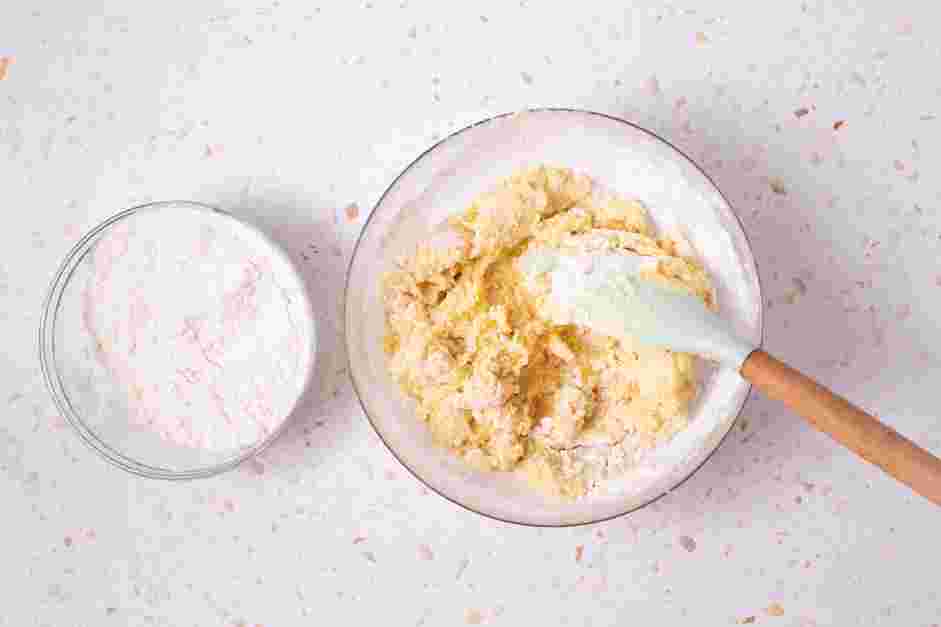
(98, 411)
(622, 157)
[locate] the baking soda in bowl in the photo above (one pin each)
(186, 324)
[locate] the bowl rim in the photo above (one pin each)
(52, 376)
(420, 157)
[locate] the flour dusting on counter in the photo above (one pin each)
(196, 317)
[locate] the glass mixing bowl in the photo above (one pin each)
(623, 158)
(95, 406)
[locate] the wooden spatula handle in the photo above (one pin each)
(847, 424)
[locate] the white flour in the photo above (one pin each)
(203, 324)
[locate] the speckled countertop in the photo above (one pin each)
(820, 121)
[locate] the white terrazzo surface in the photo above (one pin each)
(821, 121)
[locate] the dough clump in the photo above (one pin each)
(495, 381)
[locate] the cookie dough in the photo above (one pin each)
(468, 337)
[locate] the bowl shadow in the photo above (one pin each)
(805, 284)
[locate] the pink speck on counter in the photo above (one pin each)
(687, 543)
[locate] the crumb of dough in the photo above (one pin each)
(493, 379)
(775, 609)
